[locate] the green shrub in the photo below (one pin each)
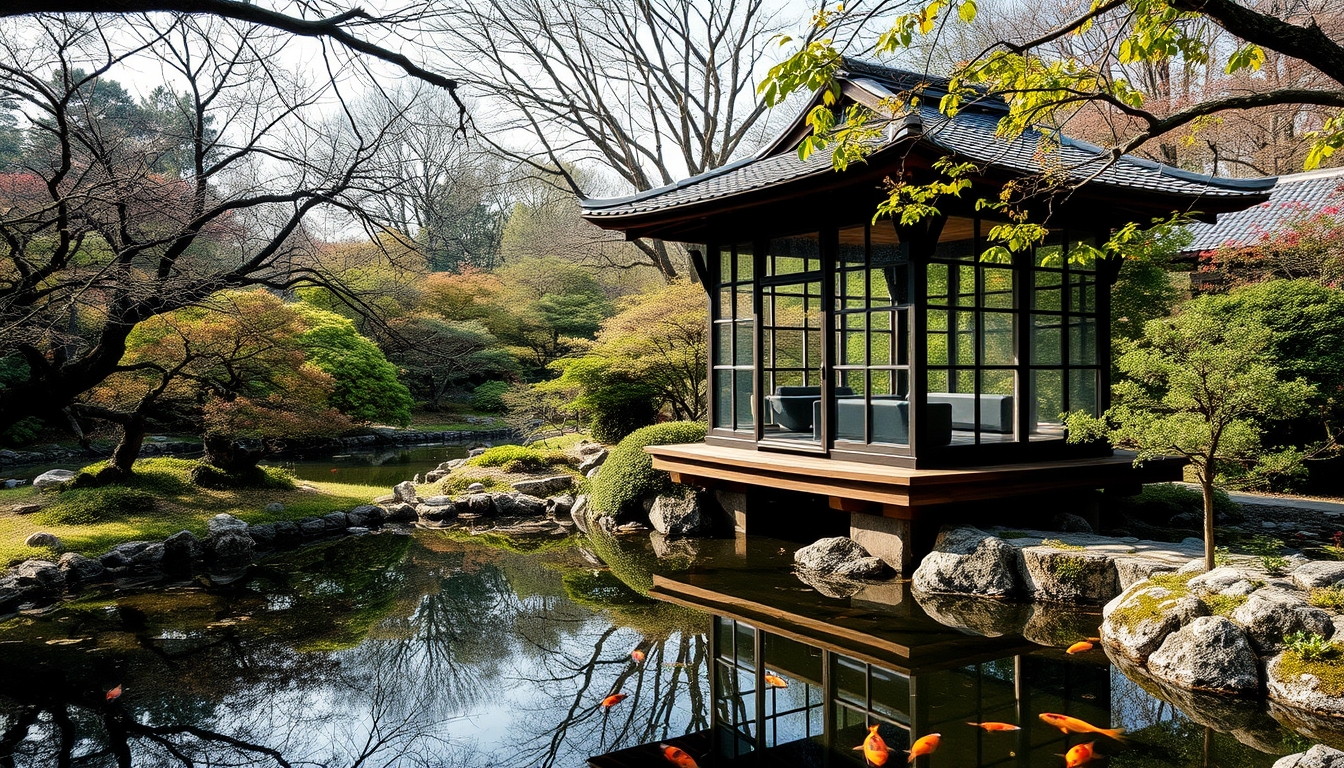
(86, 506)
(1269, 551)
(628, 475)
(1329, 598)
(1310, 647)
(489, 397)
(520, 458)
(612, 424)
(1159, 502)
(209, 476)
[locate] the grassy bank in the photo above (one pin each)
(157, 503)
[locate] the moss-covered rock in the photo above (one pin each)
(628, 476)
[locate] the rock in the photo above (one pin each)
(1132, 570)
(474, 452)
(405, 492)
(435, 475)
(1209, 654)
(437, 514)
(1318, 573)
(26, 509)
(579, 513)
(681, 516)
(55, 478)
(149, 558)
(450, 465)
(1269, 614)
(400, 513)
(1058, 626)
(224, 523)
(1319, 756)
(1067, 576)
(631, 527)
(183, 547)
(43, 539)
(476, 488)
(981, 616)
(1160, 611)
(829, 555)
(1191, 521)
(1194, 566)
(1220, 578)
(336, 521)
(519, 505)
(229, 551)
(42, 574)
(1070, 523)
(590, 474)
(546, 486)
(593, 461)
(438, 501)
(968, 561)
(356, 530)
(481, 504)
(275, 507)
(365, 515)
(79, 569)
(287, 534)
(1300, 691)
(312, 527)
(263, 536)
(559, 506)
(865, 568)
(587, 448)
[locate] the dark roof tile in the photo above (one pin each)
(1292, 196)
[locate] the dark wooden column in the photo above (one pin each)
(923, 241)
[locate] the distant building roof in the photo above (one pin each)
(1292, 196)
(970, 134)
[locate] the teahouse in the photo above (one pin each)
(887, 367)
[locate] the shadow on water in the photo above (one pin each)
(437, 648)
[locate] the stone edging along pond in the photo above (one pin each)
(1237, 630)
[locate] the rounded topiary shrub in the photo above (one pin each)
(489, 397)
(628, 475)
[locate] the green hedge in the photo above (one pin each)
(628, 475)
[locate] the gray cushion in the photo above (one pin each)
(891, 421)
(792, 407)
(996, 411)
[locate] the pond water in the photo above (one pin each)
(434, 648)
(382, 466)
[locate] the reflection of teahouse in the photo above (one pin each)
(849, 357)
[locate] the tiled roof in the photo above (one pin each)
(971, 134)
(1292, 196)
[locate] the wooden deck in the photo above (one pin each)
(897, 491)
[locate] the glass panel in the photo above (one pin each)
(723, 633)
(850, 679)
(937, 283)
(744, 308)
(996, 382)
(723, 344)
(1047, 391)
(742, 354)
(725, 308)
(997, 339)
(966, 285)
(1083, 341)
(1083, 296)
(791, 255)
(891, 694)
(937, 381)
(964, 340)
(726, 265)
(744, 393)
(998, 288)
(1083, 390)
(723, 399)
(744, 262)
(1050, 256)
(1046, 340)
(1047, 299)
(745, 651)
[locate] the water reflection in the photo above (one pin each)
(435, 649)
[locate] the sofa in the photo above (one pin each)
(996, 411)
(891, 420)
(792, 408)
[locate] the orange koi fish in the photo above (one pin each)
(1082, 646)
(114, 694)
(1068, 724)
(924, 745)
(996, 726)
(776, 682)
(637, 655)
(678, 756)
(1079, 755)
(874, 748)
(613, 700)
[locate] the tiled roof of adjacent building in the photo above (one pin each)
(1292, 196)
(971, 134)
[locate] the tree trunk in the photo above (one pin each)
(1207, 485)
(128, 450)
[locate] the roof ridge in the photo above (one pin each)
(1319, 173)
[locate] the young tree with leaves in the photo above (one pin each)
(1200, 386)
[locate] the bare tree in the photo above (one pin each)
(648, 90)
(96, 241)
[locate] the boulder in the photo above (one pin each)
(1070, 523)
(262, 535)
(224, 523)
(336, 521)
(664, 548)
(1058, 626)
(1068, 576)
(121, 555)
(1300, 691)
(968, 561)
(405, 492)
(312, 527)
(865, 568)
(437, 514)
(365, 515)
(12, 595)
(474, 452)
(229, 551)
(149, 558)
(275, 507)
(54, 478)
(1218, 580)
(981, 616)
(590, 474)
(79, 569)
(592, 460)
(1137, 622)
(1319, 756)
(559, 506)
(476, 488)
(546, 486)
(1132, 570)
(519, 505)
(481, 504)
(435, 475)
(579, 513)
(840, 556)
(42, 574)
(587, 448)
(1318, 573)
(677, 516)
(287, 534)
(451, 464)
(1269, 614)
(438, 501)
(1208, 654)
(399, 513)
(183, 547)
(43, 539)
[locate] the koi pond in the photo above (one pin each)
(436, 648)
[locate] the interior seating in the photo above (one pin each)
(891, 420)
(792, 407)
(996, 411)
